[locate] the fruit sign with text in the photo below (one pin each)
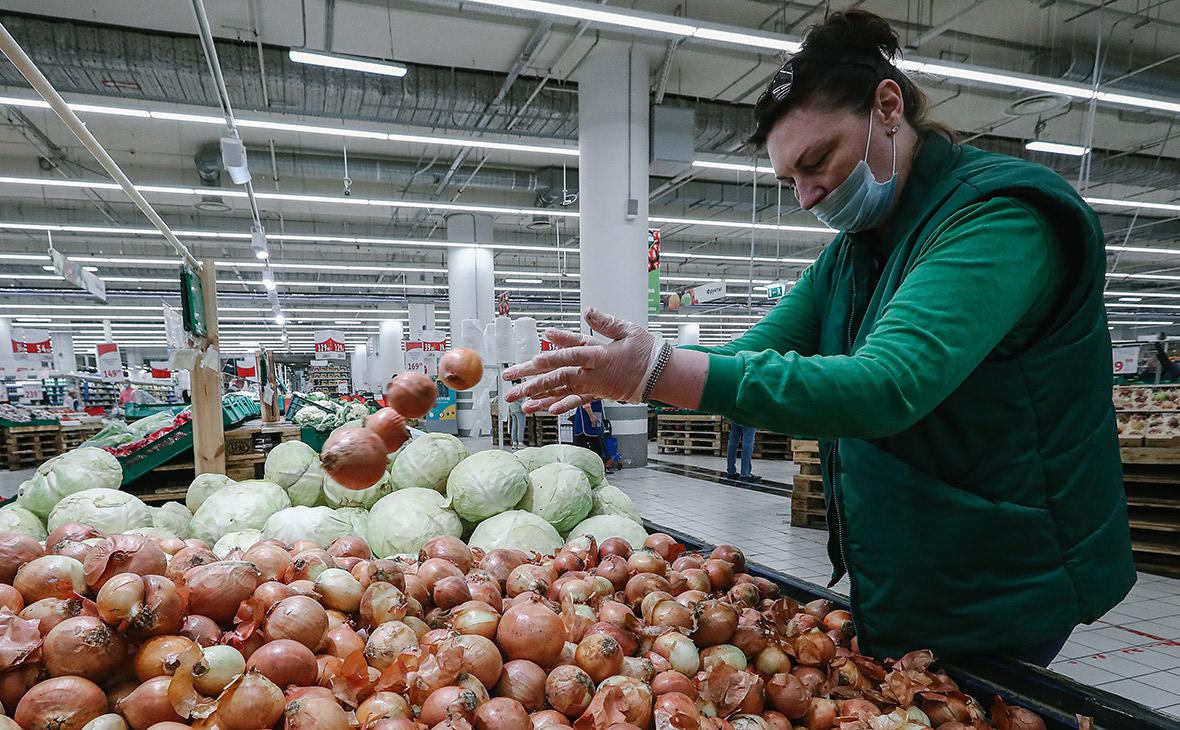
(330, 344)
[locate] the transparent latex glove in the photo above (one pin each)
(586, 369)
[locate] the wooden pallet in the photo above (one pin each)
(807, 502)
(1151, 478)
(71, 437)
(690, 434)
(25, 446)
(769, 445)
(541, 429)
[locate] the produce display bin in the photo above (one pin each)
(313, 437)
(178, 441)
(1056, 698)
(136, 411)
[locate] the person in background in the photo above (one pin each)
(1169, 369)
(516, 423)
(185, 396)
(72, 401)
(744, 434)
(127, 394)
(588, 426)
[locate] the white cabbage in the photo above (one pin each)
(109, 511)
(201, 487)
(240, 540)
(321, 525)
(528, 456)
(336, 496)
(485, 484)
(584, 459)
(162, 533)
(295, 466)
(427, 461)
(72, 472)
(610, 500)
(173, 517)
(559, 494)
(516, 529)
(604, 526)
(358, 518)
(403, 521)
(242, 506)
(14, 518)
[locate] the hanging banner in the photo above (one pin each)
(1126, 360)
(246, 366)
(422, 355)
(31, 342)
(695, 295)
(160, 369)
(653, 270)
(502, 304)
(74, 273)
(329, 345)
(110, 362)
(546, 345)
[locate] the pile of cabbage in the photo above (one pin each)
(324, 414)
(533, 500)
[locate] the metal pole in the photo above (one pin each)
(41, 85)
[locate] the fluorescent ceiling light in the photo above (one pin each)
(349, 321)
(1130, 299)
(346, 62)
(50, 268)
(736, 167)
(33, 319)
(644, 21)
(1144, 249)
(741, 224)
(741, 38)
(1057, 148)
(1144, 323)
(1163, 295)
(1170, 207)
(280, 320)
(524, 281)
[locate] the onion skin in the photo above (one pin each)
(524, 682)
(383, 705)
(390, 427)
(285, 663)
(298, 618)
(62, 703)
(216, 590)
(411, 394)
(569, 690)
(16, 550)
(187, 559)
(85, 647)
(124, 554)
(354, 457)
(50, 576)
(148, 705)
(533, 632)
(49, 612)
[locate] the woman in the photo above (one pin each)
(516, 422)
(974, 495)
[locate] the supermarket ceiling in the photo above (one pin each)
(487, 116)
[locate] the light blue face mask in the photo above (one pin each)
(860, 203)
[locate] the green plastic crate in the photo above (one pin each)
(313, 437)
(179, 441)
(136, 411)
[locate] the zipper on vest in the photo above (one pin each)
(837, 493)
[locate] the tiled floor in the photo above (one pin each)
(1134, 651)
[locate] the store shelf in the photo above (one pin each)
(326, 378)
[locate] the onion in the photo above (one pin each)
(529, 577)
(665, 545)
(186, 559)
(300, 546)
(62, 703)
(672, 681)
(484, 587)
(83, 646)
(821, 715)
(308, 564)
(696, 579)
(75, 531)
(451, 591)
(531, 631)
(328, 669)
(690, 599)
(569, 690)
(815, 679)
(447, 702)
(201, 629)
(271, 592)
(637, 699)
(316, 713)
(523, 681)
(382, 602)
(744, 594)
(271, 561)
(72, 549)
(716, 622)
(120, 598)
(641, 668)
(387, 641)
(863, 709)
(751, 638)
(252, 701)
(339, 590)
(412, 394)
(670, 614)
(297, 618)
(460, 369)
(285, 663)
(643, 583)
(819, 608)
(772, 660)
(1020, 718)
(400, 723)
(676, 709)
(162, 610)
(15, 682)
(342, 641)
(475, 618)
(148, 705)
(390, 427)
(481, 658)
(614, 546)
(50, 576)
(355, 458)
(776, 720)
(814, 648)
(216, 590)
(383, 705)
(729, 654)
(124, 554)
(615, 569)
(731, 555)
(720, 574)
(219, 665)
(599, 656)
(16, 550)
(111, 721)
(680, 651)
(49, 612)
(647, 561)
(501, 561)
(686, 561)
(501, 713)
(159, 657)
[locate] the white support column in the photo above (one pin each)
(612, 196)
(64, 360)
(688, 334)
(390, 358)
(7, 360)
(360, 369)
(472, 280)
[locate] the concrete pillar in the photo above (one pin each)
(612, 196)
(421, 319)
(107, 332)
(360, 369)
(472, 281)
(7, 360)
(64, 360)
(390, 358)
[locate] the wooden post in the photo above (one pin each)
(264, 365)
(208, 428)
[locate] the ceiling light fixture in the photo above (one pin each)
(1073, 150)
(1130, 299)
(258, 242)
(1169, 207)
(524, 281)
(734, 166)
(346, 62)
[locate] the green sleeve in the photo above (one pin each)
(791, 326)
(986, 281)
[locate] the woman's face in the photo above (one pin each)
(814, 148)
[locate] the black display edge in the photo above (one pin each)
(1054, 697)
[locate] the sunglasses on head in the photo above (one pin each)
(784, 78)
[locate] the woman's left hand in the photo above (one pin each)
(586, 369)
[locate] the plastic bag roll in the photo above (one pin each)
(471, 335)
(526, 342)
(503, 339)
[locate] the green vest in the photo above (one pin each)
(998, 521)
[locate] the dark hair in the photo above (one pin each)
(842, 62)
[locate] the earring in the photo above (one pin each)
(894, 130)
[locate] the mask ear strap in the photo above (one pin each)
(870, 138)
(893, 138)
